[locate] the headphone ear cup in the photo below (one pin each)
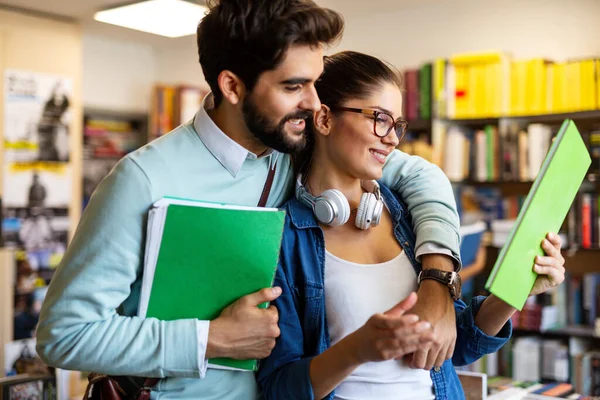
(339, 206)
(377, 212)
(364, 215)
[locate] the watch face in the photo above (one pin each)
(457, 283)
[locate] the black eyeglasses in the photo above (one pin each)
(383, 123)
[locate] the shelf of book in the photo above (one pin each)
(419, 125)
(580, 331)
(578, 116)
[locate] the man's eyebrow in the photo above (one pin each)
(295, 81)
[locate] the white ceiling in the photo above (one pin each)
(83, 11)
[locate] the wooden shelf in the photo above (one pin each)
(542, 118)
(508, 188)
(419, 125)
(475, 122)
(558, 118)
(572, 330)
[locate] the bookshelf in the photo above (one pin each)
(487, 119)
(173, 105)
(579, 331)
(108, 135)
(578, 117)
(419, 125)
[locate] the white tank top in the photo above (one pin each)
(353, 293)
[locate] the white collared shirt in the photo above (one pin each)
(230, 154)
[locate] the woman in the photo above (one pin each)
(338, 279)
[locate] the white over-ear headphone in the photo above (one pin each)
(332, 207)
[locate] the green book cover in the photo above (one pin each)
(544, 210)
(208, 257)
(425, 90)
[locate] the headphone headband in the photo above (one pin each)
(332, 208)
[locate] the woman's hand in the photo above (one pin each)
(391, 335)
(551, 268)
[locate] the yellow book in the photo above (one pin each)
(573, 93)
(491, 95)
(597, 65)
(473, 90)
(583, 85)
(520, 86)
(461, 104)
(588, 79)
(439, 83)
(536, 87)
(486, 57)
(512, 110)
(550, 87)
(559, 88)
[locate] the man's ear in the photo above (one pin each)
(323, 120)
(231, 86)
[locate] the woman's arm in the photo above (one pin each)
(484, 326)
(494, 312)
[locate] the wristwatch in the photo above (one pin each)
(450, 279)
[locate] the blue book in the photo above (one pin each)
(470, 241)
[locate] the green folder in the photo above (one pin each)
(543, 211)
(201, 257)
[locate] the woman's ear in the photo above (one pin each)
(323, 120)
(231, 86)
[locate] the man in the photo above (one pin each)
(261, 59)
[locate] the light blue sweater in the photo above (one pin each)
(88, 320)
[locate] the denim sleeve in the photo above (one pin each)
(428, 194)
(471, 342)
(285, 373)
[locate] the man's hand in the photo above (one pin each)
(243, 331)
(435, 305)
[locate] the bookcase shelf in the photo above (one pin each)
(419, 125)
(579, 116)
(474, 123)
(581, 331)
(510, 188)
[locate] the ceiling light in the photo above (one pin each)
(171, 18)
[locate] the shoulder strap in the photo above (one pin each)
(267, 189)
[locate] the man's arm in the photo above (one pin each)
(79, 327)
(428, 195)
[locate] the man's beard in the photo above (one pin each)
(275, 137)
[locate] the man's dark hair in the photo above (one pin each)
(249, 37)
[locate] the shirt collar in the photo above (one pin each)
(229, 153)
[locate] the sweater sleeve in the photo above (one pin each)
(79, 327)
(428, 194)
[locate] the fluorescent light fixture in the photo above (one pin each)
(171, 18)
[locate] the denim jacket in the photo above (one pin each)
(302, 319)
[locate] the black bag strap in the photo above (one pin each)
(268, 183)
